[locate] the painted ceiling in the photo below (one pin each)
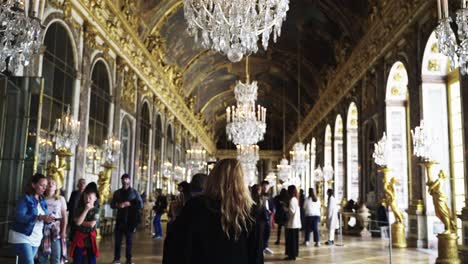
(321, 32)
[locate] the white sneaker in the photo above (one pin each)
(307, 243)
(268, 251)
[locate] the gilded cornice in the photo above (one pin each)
(383, 34)
(164, 80)
(264, 154)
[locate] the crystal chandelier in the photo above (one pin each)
(284, 170)
(66, 133)
(381, 152)
(167, 169)
(111, 150)
(423, 142)
(299, 157)
(179, 173)
(196, 157)
(446, 38)
(248, 155)
(318, 174)
(246, 123)
(233, 27)
(21, 35)
(328, 173)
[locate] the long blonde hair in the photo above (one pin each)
(226, 184)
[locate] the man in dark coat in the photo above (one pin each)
(128, 203)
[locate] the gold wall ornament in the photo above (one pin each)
(57, 172)
(109, 21)
(433, 65)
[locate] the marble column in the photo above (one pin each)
(84, 99)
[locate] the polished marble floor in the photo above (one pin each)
(355, 250)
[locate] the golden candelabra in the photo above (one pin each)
(447, 241)
(398, 227)
(56, 168)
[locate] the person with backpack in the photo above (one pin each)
(281, 215)
(128, 203)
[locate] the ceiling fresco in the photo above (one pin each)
(322, 33)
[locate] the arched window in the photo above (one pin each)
(126, 144)
(442, 116)
(157, 152)
(328, 153)
(396, 118)
(99, 106)
(352, 179)
(169, 145)
(145, 128)
(59, 74)
(313, 157)
(338, 162)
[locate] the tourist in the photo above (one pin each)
(184, 189)
(217, 226)
(281, 216)
(293, 225)
(332, 217)
(197, 184)
(31, 214)
(54, 232)
(159, 209)
(269, 208)
(312, 217)
(73, 204)
(260, 217)
(128, 203)
(84, 245)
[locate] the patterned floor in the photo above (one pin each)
(355, 250)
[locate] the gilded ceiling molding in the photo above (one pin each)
(264, 154)
(163, 19)
(383, 34)
(164, 81)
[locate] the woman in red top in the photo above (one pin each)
(84, 242)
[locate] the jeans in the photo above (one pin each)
(307, 227)
(157, 225)
(55, 256)
(266, 234)
(25, 253)
(118, 243)
(79, 256)
(315, 225)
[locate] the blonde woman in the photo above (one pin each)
(55, 232)
(217, 226)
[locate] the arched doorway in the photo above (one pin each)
(396, 99)
(338, 159)
(352, 158)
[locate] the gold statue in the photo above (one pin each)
(440, 203)
(56, 173)
(104, 184)
(389, 196)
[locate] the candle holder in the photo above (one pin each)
(447, 241)
(381, 156)
(111, 153)
(65, 138)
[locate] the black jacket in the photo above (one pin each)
(128, 217)
(197, 237)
